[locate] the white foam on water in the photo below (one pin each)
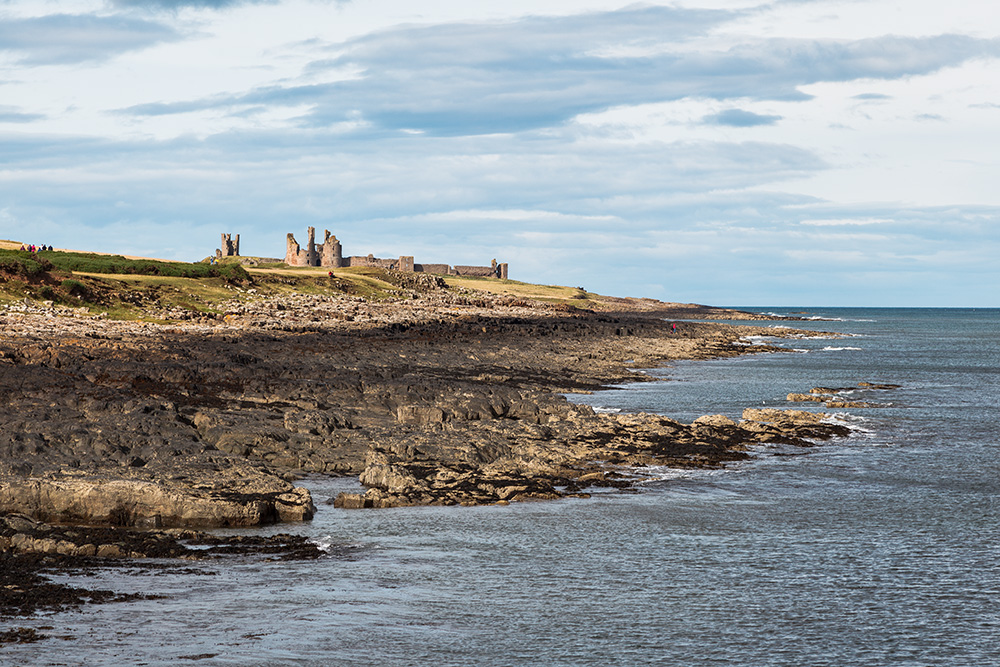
(598, 408)
(650, 474)
(329, 544)
(851, 421)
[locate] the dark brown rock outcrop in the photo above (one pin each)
(438, 398)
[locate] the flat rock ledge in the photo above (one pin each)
(455, 399)
(833, 397)
(31, 550)
(612, 452)
(154, 505)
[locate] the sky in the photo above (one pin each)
(726, 152)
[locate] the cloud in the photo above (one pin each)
(174, 5)
(391, 178)
(692, 221)
(10, 114)
(854, 222)
(740, 118)
(180, 4)
(539, 72)
(73, 38)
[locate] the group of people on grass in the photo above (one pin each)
(35, 248)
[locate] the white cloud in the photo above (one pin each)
(845, 222)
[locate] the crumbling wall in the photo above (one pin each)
(443, 269)
(480, 271)
(495, 270)
(372, 261)
(295, 255)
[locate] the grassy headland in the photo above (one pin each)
(130, 288)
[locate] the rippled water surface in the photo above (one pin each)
(880, 549)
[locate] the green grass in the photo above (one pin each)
(366, 282)
(574, 296)
(116, 264)
(145, 289)
(121, 287)
(28, 264)
(23, 264)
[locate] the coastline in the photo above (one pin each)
(146, 425)
(440, 399)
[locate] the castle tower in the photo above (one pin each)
(293, 253)
(333, 253)
(312, 258)
(229, 248)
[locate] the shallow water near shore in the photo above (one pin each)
(879, 549)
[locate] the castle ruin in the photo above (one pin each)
(230, 248)
(329, 253)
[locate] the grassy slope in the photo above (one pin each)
(138, 288)
(143, 289)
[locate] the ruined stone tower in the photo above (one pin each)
(230, 248)
(332, 254)
(329, 253)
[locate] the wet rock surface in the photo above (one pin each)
(30, 551)
(438, 398)
(834, 397)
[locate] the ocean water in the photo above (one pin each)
(879, 549)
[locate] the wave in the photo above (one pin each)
(840, 349)
(851, 421)
(328, 544)
(818, 318)
(651, 474)
(598, 408)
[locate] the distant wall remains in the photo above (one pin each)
(330, 254)
(443, 269)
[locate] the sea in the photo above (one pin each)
(881, 548)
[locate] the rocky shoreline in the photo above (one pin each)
(436, 399)
(439, 398)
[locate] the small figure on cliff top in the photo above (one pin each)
(673, 328)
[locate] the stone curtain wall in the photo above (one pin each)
(371, 260)
(481, 271)
(443, 269)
